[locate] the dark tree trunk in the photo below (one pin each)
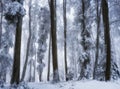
(16, 64)
(97, 39)
(17, 50)
(54, 40)
(65, 37)
(28, 44)
(105, 14)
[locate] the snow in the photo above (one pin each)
(14, 8)
(76, 85)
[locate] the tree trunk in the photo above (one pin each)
(48, 75)
(97, 39)
(17, 50)
(54, 40)
(83, 40)
(35, 65)
(105, 14)
(65, 37)
(30, 72)
(16, 64)
(28, 44)
(1, 5)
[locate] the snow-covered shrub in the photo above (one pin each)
(22, 85)
(13, 10)
(5, 63)
(40, 68)
(115, 71)
(56, 77)
(70, 75)
(1, 83)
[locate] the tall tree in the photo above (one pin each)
(49, 57)
(16, 64)
(85, 59)
(65, 37)
(44, 17)
(85, 19)
(98, 12)
(54, 39)
(1, 12)
(28, 43)
(105, 14)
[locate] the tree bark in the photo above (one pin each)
(16, 64)
(105, 14)
(54, 40)
(65, 38)
(17, 50)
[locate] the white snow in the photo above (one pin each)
(76, 85)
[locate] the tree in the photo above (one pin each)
(65, 45)
(1, 11)
(11, 17)
(98, 12)
(105, 14)
(28, 44)
(49, 57)
(54, 40)
(84, 59)
(44, 22)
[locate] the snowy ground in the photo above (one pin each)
(76, 85)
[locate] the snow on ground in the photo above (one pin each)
(76, 85)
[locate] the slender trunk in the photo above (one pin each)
(97, 39)
(65, 37)
(35, 65)
(48, 75)
(30, 77)
(28, 44)
(105, 14)
(1, 5)
(83, 39)
(54, 40)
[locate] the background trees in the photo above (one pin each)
(81, 43)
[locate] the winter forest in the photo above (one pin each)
(59, 44)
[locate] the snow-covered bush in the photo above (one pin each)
(70, 75)
(1, 83)
(13, 10)
(22, 85)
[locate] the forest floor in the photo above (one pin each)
(76, 85)
(91, 84)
